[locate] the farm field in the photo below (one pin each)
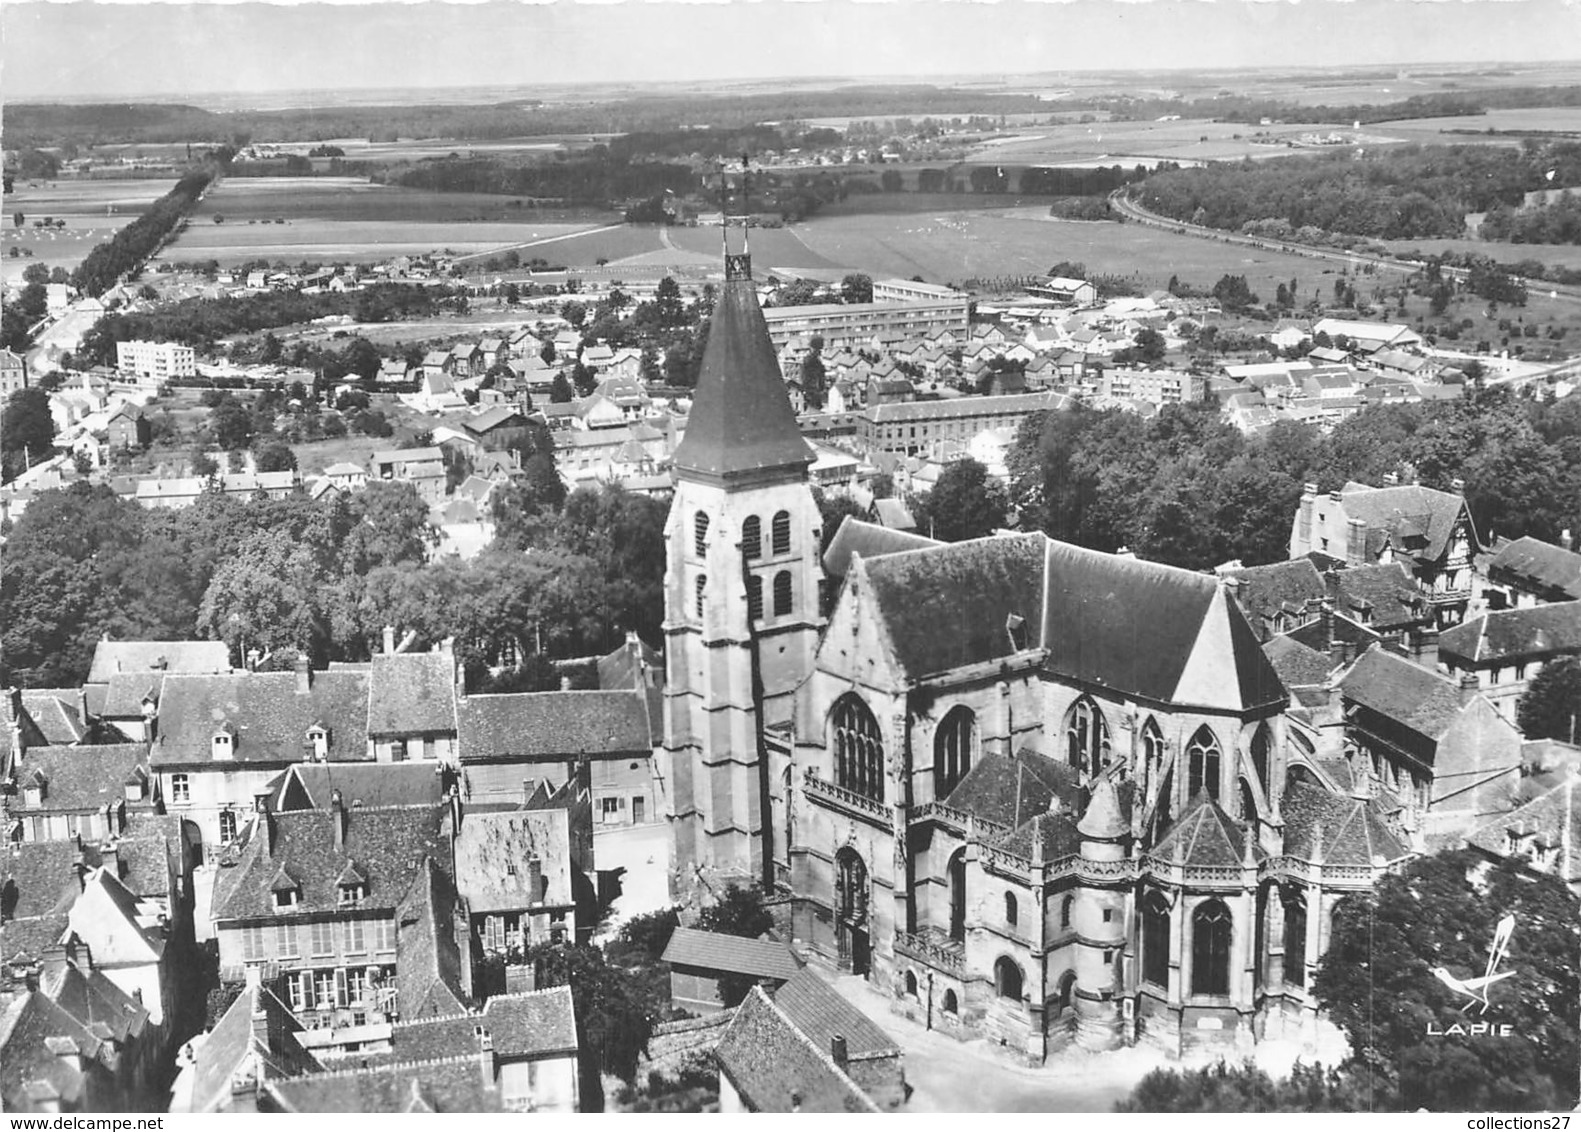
(771, 247)
(1568, 255)
(1146, 143)
(352, 219)
(585, 250)
(955, 246)
(93, 210)
(1532, 118)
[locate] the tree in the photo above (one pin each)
(232, 424)
(667, 304)
(1551, 705)
(274, 456)
(739, 911)
(614, 1018)
(27, 430)
(391, 527)
(964, 504)
(1246, 1088)
(856, 288)
(1377, 983)
(19, 219)
(203, 465)
(814, 384)
(574, 312)
(584, 378)
(560, 391)
(267, 596)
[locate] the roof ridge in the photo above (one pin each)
(418, 1063)
(540, 992)
(821, 1054)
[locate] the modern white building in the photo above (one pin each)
(154, 363)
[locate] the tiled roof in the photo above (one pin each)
(901, 412)
(1297, 665)
(487, 841)
(428, 954)
(869, 540)
(532, 1024)
(1043, 838)
(1206, 835)
(270, 717)
(456, 1084)
(762, 958)
(1353, 831)
(388, 844)
(774, 1067)
(741, 415)
(1539, 563)
(110, 657)
(79, 779)
(127, 692)
(1406, 509)
(308, 786)
(57, 713)
(412, 693)
(1505, 635)
(1546, 817)
(93, 999)
(1386, 591)
(493, 418)
(1146, 629)
(24, 939)
(1399, 690)
(28, 1023)
(44, 874)
(232, 1050)
(546, 724)
(1011, 791)
(1280, 587)
(947, 606)
(821, 1013)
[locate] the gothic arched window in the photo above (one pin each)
(951, 1004)
(1202, 764)
(1011, 911)
(858, 748)
(754, 597)
(1066, 908)
(1152, 747)
(1087, 737)
(702, 590)
(1210, 949)
(782, 593)
(752, 537)
(1295, 940)
(1007, 978)
(700, 533)
(953, 746)
(781, 533)
(1155, 940)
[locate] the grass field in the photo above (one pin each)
(771, 247)
(1567, 254)
(93, 210)
(1533, 118)
(351, 219)
(952, 247)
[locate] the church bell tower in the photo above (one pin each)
(741, 586)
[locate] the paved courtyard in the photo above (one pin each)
(643, 851)
(953, 1076)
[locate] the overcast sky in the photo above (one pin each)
(78, 48)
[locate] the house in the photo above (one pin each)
(766, 1064)
(256, 1040)
(1504, 649)
(1541, 833)
(1368, 337)
(54, 1059)
(462, 1082)
(1432, 747)
(893, 514)
(346, 476)
(128, 428)
(1412, 367)
(392, 371)
(131, 941)
(65, 793)
(1527, 571)
(872, 1059)
(352, 910)
(1076, 292)
(701, 963)
(1429, 531)
(599, 412)
(498, 428)
(13, 373)
(423, 468)
(221, 740)
(545, 736)
(1278, 597)
(412, 702)
(59, 714)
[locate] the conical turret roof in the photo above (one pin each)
(741, 419)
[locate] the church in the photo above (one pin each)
(1036, 793)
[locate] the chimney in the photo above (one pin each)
(110, 859)
(1567, 540)
(80, 872)
(337, 812)
(304, 675)
(1424, 647)
(486, 1064)
(565, 683)
(260, 1016)
(251, 659)
(389, 640)
(1469, 687)
(265, 820)
(1457, 485)
(837, 1050)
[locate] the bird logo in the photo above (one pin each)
(1476, 990)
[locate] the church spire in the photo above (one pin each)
(741, 419)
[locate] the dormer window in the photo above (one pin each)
(135, 786)
(352, 895)
(351, 886)
(287, 897)
(223, 744)
(35, 790)
(316, 744)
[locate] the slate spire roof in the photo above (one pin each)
(741, 419)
